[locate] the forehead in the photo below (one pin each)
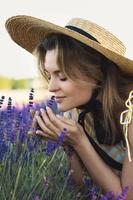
(51, 61)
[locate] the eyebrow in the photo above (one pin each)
(55, 72)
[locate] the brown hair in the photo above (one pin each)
(114, 86)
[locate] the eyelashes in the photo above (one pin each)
(60, 78)
(63, 79)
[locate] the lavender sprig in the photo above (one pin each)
(1, 101)
(51, 145)
(123, 194)
(111, 196)
(31, 97)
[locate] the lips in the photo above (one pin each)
(59, 98)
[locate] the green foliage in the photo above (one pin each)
(19, 84)
(5, 83)
(35, 175)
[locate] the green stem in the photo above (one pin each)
(34, 189)
(52, 158)
(16, 183)
(42, 164)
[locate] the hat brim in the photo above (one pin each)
(28, 31)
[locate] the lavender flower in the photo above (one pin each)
(52, 104)
(31, 97)
(71, 181)
(103, 197)
(123, 194)
(9, 107)
(1, 101)
(51, 101)
(36, 198)
(16, 149)
(3, 149)
(107, 196)
(111, 196)
(51, 145)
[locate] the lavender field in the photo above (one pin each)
(32, 168)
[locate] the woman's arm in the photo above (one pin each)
(101, 173)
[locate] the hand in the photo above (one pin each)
(51, 126)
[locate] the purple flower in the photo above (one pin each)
(36, 198)
(103, 197)
(123, 194)
(3, 149)
(52, 104)
(1, 101)
(110, 195)
(31, 98)
(52, 145)
(9, 107)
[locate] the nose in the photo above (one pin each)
(53, 85)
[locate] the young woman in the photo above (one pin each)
(90, 78)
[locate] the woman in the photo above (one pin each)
(90, 77)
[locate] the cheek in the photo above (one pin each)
(79, 98)
(76, 92)
(84, 93)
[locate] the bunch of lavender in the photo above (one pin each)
(25, 170)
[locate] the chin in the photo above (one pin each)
(64, 108)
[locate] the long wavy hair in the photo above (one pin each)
(113, 84)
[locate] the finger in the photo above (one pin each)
(54, 119)
(45, 136)
(45, 129)
(41, 133)
(48, 122)
(31, 133)
(65, 119)
(34, 122)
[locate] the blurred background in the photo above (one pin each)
(18, 70)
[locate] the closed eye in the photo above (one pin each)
(63, 79)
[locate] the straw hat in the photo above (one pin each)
(28, 31)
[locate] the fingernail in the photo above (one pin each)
(59, 116)
(37, 132)
(47, 108)
(42, 110)
(30, 133)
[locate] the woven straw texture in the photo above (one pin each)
(28, 31)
